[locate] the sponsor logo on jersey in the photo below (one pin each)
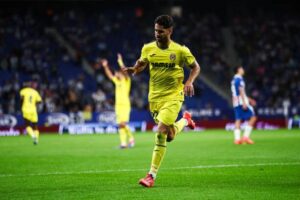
(163, 65)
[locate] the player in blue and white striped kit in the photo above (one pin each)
(243, 109)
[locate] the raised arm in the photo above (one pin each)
(122, 65)
(188, 86)
(107, 71)
(120, 61)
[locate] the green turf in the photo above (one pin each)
(90, 167)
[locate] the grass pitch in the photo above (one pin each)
(197, 165)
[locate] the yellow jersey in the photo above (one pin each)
(30, 97)
(166, 70)
(122, 91)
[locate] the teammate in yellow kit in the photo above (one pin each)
(166, 60)
(122, 101)
(29, 100)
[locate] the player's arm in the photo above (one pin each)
(252, 101)
(120, 61)
(188, 86)
(107, 71)
(139, 66)
(122, 65)
(243, 97)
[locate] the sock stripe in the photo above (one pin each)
(159, 145)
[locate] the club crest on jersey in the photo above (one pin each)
(172, 56)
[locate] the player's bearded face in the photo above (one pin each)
(161, 33)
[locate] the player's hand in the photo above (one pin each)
(188, 89)
(245, 107)
(104, 62)
(129, 70)
(120, 56)
(252, 102)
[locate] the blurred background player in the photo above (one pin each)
(166, 60)
(242, 107)
(122, 84)
(29, 100)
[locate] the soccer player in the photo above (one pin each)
(122, 101)
(242, 107)
(166, 60)
(29, 100)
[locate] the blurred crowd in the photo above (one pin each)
(268, 47)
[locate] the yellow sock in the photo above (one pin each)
(37, 133)
(158, 152)
(179, 125)
(123, 137)
(128, 132)
(30, 131)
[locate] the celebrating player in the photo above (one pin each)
(122, 101)
(166, 59)
(29, 99)
(242, 108)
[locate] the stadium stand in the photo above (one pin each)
(263, 43)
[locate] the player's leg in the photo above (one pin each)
(123, 136)
(130, 137)
(28, 127)
(178, 126)
(157, 155)
(237, 132)
(36, 133)
(129, 134)
(249, 127)
(30, 118)
(159, 149)
(165, 114)
(237, 125)
(122, 131)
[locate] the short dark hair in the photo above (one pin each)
(165, 21)
(236, 68)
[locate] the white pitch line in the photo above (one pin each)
(135, 170)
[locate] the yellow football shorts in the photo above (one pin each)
(30, 116)
(122, 113)
(166, 111)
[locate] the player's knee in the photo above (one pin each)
(162, 129)
(170, 134)
(122, 125)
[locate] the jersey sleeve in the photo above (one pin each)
(238, 83)
(144, 54)
(241, 83)
(187, 56)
